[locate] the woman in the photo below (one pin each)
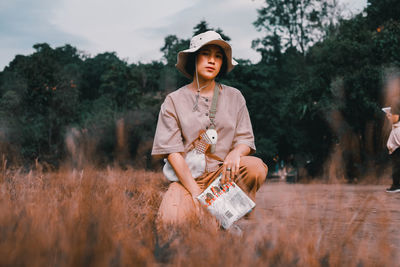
(187, 111)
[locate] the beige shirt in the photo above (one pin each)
(178, 125)
(393, 142)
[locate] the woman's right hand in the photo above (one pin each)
(393, 118)
(197, 203)
(195, 192)
(182, 170)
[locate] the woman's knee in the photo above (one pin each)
(255, 167)
(176, 204)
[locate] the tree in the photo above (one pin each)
(172, 45)
(298, 23)
(46, 86)
(380, 11)
(270, 49)
(202, 26)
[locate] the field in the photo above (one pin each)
(107, 218)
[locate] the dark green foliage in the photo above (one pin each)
(331, 95)
(298, 23)
(172, 45)
(40, 97)
(381, 11)
(44, 94)
(318, 87)
(203, 27)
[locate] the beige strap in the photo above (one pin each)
(213, 109)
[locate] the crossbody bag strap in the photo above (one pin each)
(213, 109)
(213, 156)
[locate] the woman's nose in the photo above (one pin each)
(211, 59)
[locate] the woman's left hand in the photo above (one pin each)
(231, 166)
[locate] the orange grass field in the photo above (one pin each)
(107, 218)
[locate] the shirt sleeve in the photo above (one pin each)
(168, 136)
(244, 131)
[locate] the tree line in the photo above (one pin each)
(317, 90)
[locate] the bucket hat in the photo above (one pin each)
(200, 40)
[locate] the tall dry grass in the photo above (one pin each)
(107, 218)
(78, 218)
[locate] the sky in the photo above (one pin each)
(134, 29)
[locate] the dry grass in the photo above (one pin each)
(107, 218)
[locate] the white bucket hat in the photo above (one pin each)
(200, 40)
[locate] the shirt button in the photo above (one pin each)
(206, 114)
(206, 99)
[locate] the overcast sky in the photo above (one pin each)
(135, 29)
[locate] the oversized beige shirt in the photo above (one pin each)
(393, 142)
(178, 125)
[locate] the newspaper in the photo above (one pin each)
(227, 202)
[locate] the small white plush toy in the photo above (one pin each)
(195, 158)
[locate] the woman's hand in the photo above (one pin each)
(183, 173)
(393, 118)
(197, 206)
(231, 166)
(389, 116)
(195, 192)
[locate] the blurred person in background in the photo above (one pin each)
(189, 111)
(393, 145)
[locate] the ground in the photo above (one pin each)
(357, 216)
(108, 217)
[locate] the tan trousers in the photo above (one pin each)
(177, 205)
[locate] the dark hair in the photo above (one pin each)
(190, 67)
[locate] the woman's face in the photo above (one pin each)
(209, 61)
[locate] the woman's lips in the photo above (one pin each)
(210, 68)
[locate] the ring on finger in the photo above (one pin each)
(228, 169)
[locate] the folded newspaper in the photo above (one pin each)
(227, 202)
